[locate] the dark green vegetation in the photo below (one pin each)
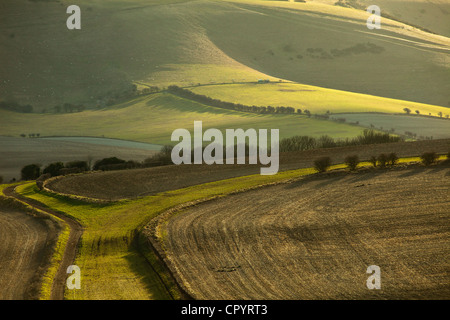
(18, 152)
(298, 143)
(322, 164)
(150, 181)
(232, 106)
(163, 157)
(384, 160)
(429, 158)
(31, 172)
(352, 162)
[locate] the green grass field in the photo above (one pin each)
(153, 119)
(315, 99)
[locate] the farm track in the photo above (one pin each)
(314, 238)
(25, 243)
(115, 185)
(76, 230)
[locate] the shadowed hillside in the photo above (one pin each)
(189, 42)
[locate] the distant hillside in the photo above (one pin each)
(331, 46)
(158, 42)
(153, 118)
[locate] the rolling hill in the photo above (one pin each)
(331, 46)
(190, 42)
(317, 56)
(153, 118)
(309, 55)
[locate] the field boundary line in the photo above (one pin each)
(73, 196)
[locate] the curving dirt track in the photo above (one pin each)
(315, 238)
(24, 253)
(76, 230)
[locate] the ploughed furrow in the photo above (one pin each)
(316, 237)
(24, 241)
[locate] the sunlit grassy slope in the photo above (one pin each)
(315, 99)
(186, 42)
(111, 267)
(153, 119)
(331, 46)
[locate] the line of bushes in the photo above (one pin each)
(381, 161)
(33, 171)
(369, 136)
(185, 93)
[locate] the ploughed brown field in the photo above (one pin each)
(114, 185)
(314, 238)
(24, 253)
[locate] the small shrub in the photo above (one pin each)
(428, 158)
(382, 160)
(31, 172)
(326, 142)
(163, 157)
(322, 164)
(392, 159)
(373, 161)
(53, 168)
(352, 162)
(81, 165)
(107, 163)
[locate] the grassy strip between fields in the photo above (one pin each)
(112, 265)
(45, 289)
(60, 247)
